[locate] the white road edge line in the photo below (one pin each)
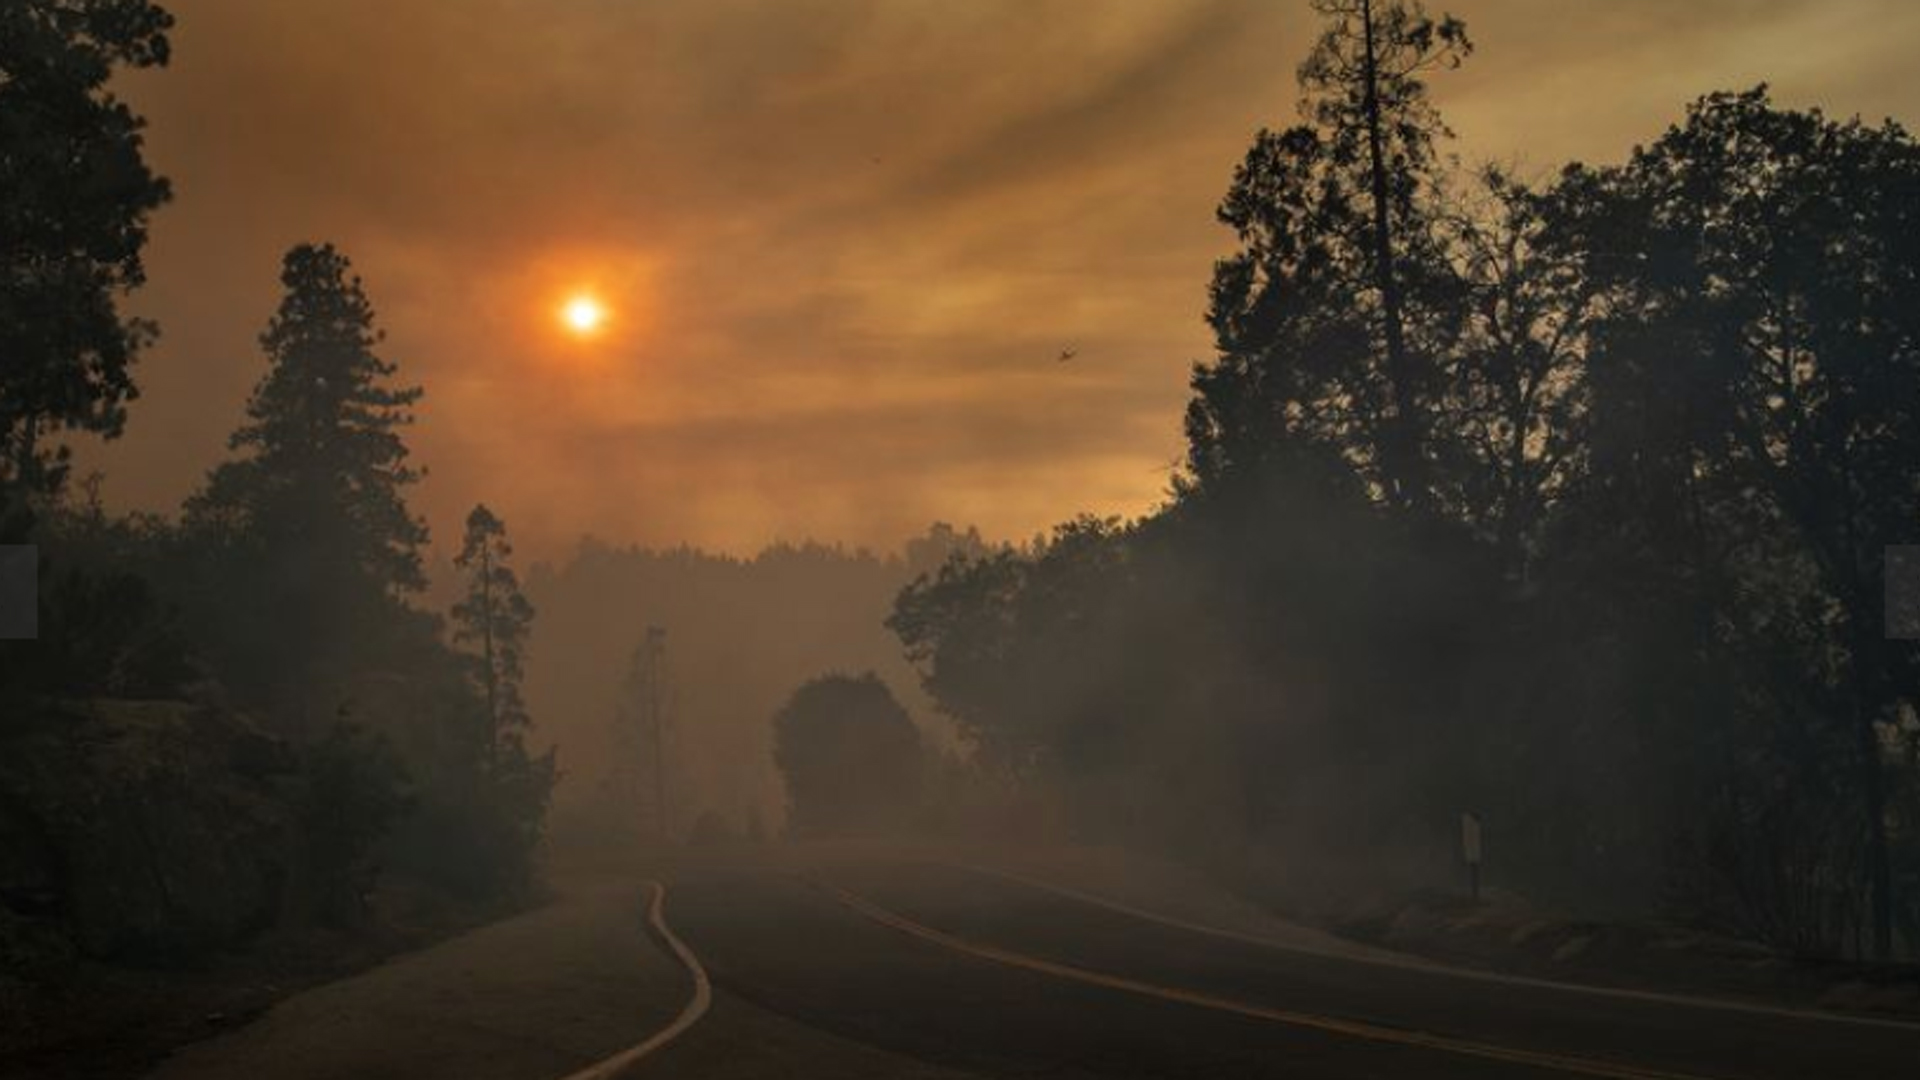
(1414, 963)
(696, 1007)
(1358, 1029)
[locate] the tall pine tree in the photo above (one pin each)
(494, 618)
(313, 511)
(323, 465)
(1328, 319)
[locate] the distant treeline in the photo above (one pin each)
(739, 635)
(1564, 503)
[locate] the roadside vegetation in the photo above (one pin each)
(238, 721)
(1564, 501)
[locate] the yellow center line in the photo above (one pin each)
(1353, 1028)
(1400, 962)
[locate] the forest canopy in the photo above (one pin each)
(1560, 502)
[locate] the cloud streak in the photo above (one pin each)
(845, 238)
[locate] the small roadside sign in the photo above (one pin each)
(1470, 850)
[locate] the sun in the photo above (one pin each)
(583, 315)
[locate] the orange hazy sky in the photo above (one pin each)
(841, 242)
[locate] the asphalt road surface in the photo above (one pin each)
(872, 964)
(920, 969)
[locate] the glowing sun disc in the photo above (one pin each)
(583, 315)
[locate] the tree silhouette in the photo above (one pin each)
(495, 617)
(959, 626)
(1514, 392)
(1328, 319)
(849, 753)
(324, 468)
(309, 546)
(73, 222)
(1364, 89)
(1003, 639)
(1762, 268)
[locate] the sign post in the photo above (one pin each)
(1470, 849)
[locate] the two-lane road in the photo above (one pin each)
(925, 969)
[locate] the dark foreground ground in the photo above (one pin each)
(888, 965)
(98, 1021)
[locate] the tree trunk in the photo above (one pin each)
(486, 654)
(1402, 455)
(1873, 788)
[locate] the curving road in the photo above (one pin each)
(929, 970)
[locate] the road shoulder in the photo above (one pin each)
(529, 998)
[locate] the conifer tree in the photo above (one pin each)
(323, 469)
(494, 617)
